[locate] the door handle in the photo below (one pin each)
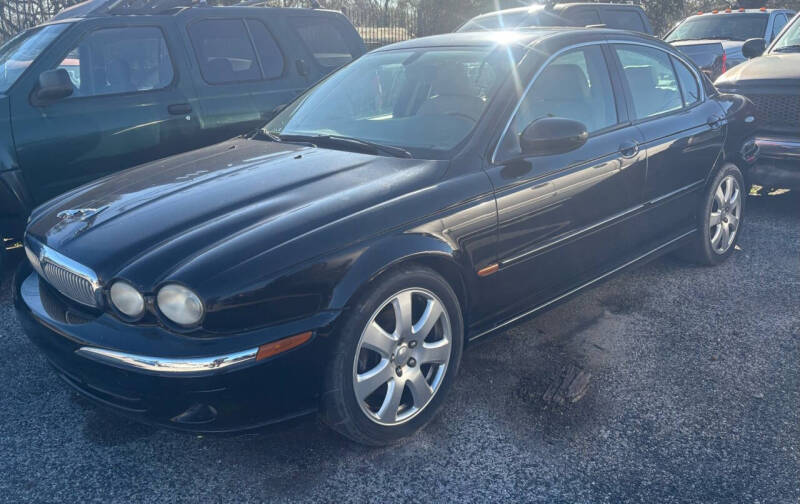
(629, 149)
(715, 121)
(179, 109)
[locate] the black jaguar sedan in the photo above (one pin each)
(339, 260)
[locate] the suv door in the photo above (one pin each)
(129, 106)
(562, 218)
(683, 133)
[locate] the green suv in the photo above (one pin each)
(99, 89)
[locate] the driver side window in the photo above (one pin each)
(575, 85)
(119, 60)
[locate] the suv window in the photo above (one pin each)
(689, 85)
(585, 17)
(651, 80)
(224, 51)
(778, 24)
(575, 85)
(269, 54)
(119, 60)
(326, 40)
(623, 19)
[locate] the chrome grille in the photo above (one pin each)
(69, 284)
(777, 110)
(70, 278)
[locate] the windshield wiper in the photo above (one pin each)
(788, 48)
(343, 141)
(272, 137)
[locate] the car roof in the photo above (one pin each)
(109, 8)
(521, 36)
(724, 12)
(556, 8)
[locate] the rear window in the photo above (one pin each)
(623, 19)
(325, 39)
(585, 17)
(497, 21)
(224, 51)
(733, 26)
(269, 54)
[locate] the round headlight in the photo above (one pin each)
(180, 305)
(127, 299)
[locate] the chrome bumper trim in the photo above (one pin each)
(162, 365)
(778, 148)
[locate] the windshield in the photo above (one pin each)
(790, 38)
(721, 27)
(511, 20)
(426, 101)
(497, 21)
(18, 53)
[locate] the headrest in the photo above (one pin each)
(563, 82)
(641, 77)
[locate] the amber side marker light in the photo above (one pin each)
(280, 346)
(488, 270)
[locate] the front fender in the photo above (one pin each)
(387, 253)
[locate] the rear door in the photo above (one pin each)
(563, 218)
(130, 105)
(683, 134)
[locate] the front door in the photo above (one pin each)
(562, 218)
(129, 106)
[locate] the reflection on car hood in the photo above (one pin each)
(151, 220)
(777, 69)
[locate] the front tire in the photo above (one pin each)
(396, 358)
(720, 218)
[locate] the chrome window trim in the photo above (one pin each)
(161, 365)
(610, 42)
(530, 85)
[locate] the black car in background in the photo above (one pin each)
(431, 193)
(772, 83)
(621, 16)
(101, 88)
(721, 39)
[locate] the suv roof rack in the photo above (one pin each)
(111, 7)
(121, 7)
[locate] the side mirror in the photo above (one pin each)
(754, 47)
(552, 135)
(53, 85)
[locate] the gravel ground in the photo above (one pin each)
(693, 396)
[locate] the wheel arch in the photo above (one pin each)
(391, 254)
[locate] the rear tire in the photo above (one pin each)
(719, 220)
(395, 359)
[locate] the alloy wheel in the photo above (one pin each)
(726, 213)
(402, 356)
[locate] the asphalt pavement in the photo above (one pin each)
(685, 388)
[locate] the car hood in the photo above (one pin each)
(247, 196)
(771, 69)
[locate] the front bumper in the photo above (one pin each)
(221, 392)
(778, 164)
